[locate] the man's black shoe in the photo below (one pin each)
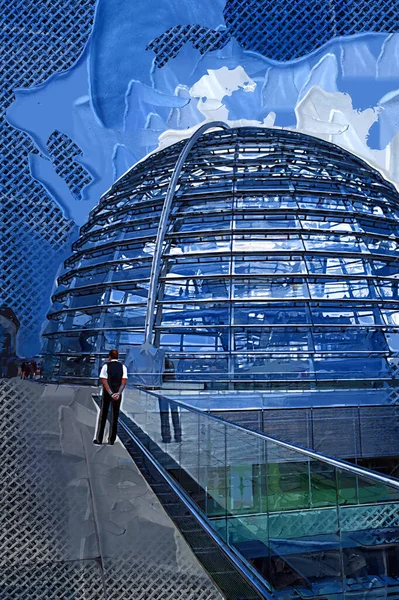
(97, 443)
(110, 443)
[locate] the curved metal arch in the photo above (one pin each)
(163, 222)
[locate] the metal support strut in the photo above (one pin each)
(163, 222)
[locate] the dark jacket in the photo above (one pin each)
(115, 373)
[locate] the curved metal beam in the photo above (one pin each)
(163, 222)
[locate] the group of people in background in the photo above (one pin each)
(29, 369)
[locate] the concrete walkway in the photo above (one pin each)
(78, 521)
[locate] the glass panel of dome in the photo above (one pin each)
(205, 224)
(116, 296)
(336, 266)
(52, 327)
(80, 301)
(130, 338)
(282, 315)
(328, 224)
(79, 342)
(80, 319)
(350, 368)
(89, 278)
(334, 290)
(388, 289)
(203, 367)
(371, 207)
(91, 243)
(393, 341)
(334, 243)
(195, 247)
(195, 288)
(265, 202)
(198, 342)
(132, 234)
(255, 243)
(380, 246)
(254, 288)
(391, 316)
(203, 204)
(384, 268)
(193, 315)
(349, 341)
(122, 273)
(345, 316)
(252, 366)
(130, 311)
(135, 252)
(111, 339)
(323, 202)
(70, 365)
(122, 318)
(264, 222)
(386, 229)
(267, 265)
(213, 267)
(269, 340)
(90, 260)
(391, 211)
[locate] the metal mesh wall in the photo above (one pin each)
(65, 156)
(345, 432)
(281, 30)
(39, 39)
(78, 521)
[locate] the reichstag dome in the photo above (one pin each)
(252, 256)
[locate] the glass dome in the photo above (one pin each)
(279, 266)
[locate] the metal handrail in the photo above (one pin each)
(337, 463)
(243, 567)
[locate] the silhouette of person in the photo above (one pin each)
(32, 369)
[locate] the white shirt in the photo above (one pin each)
(104, 372)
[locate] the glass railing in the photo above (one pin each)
(309, 525)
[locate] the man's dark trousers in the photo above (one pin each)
(115, 406)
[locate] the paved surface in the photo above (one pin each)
(79, 521)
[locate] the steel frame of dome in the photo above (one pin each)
(279, 264)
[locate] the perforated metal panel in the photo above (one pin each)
(64, 154)
(336, 431)
(281, 30)
(80, 580)
(369, 517)
(39, 39)
(379, 431)
(77, 521)
(27, 520)
(169, 44)
(289, 425)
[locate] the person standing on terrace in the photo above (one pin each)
(113, 378)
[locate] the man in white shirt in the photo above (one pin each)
(114, 378)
